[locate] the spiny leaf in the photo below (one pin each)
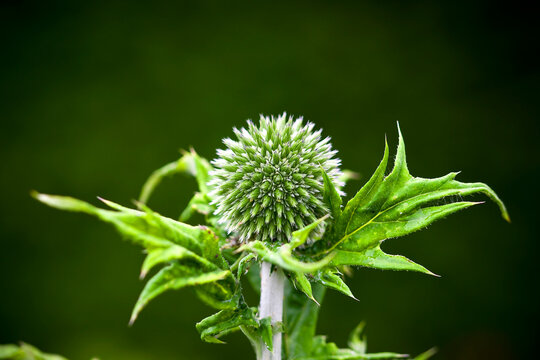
(330, 278)
(242, 265)
(394, 206)
(193, 251)
(301, 342)
(426, 355)
(190, 163)
(175, 276)
(25, 352)
(331, 196)
(158, 175)
(375, 258)
(199, 203)
(146, 228)
(302, 283)
(266, 333)
(301, 320)
(163, 255)
(300, 236)
(282, 257)
(10, 351)
(225, 322)
(358, 341)
(142, 228)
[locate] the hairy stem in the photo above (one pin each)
(272, 285)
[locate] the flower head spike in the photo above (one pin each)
(269, 182)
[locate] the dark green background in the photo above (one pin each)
(94, 96)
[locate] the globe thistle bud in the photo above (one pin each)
(269, 182)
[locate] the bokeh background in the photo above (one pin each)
(96, 95)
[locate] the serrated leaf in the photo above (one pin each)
(201, 171)
(302, 283)
(25, 352)
(158, 175)
(426, 355)
(282, 257)
(301, 320)
(174, 276)
(192, 251)
(254, 277)
(225, 322)
(323, 350)
(242, 265)
(329, 277)
(10, 351)
(147, 230)
(266, 332)
(300, 236)
(331, 196)
(301, 343)
(190, 163)
(166, 254)
(375, 258)
(199, 203)
(394, 206)
(357, 341)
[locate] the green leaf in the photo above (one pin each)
(190, 163)
(174, 276)
(331, 196)
(158, 175)
(302, 283)
(242, 265)
(375, 258)
(266, 333)
(192, 251)
(25, 352)
(199, 203)
(10, 351)
(145, 229)
(394, 206)
(302, 343)
(225, 322)
(300, 236)
(201, 171)
(283, 257)
(166, 254)
(300, 322)
(358, 341)
(426, 355)
(254, 277)
(148, 228)
(323, 350)
(331, 278)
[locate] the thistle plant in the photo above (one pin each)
(274, 216)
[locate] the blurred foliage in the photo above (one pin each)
(95, 95)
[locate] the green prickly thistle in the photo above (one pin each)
(279, 181)
(269, 182)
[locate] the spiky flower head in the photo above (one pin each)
(268, 183)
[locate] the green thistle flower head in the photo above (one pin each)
(269, 183)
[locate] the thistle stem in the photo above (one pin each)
(271, 305)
